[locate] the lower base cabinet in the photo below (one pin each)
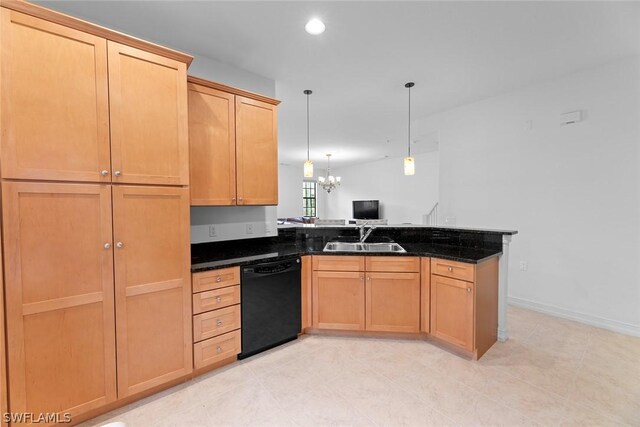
(393, 302)
(217, 349)
(464, 304)
(354, 293)
(217, 316)
(338, 300)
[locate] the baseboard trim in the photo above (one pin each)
(600, 322)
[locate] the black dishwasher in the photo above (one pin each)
(271, 305)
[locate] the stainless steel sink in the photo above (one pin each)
(363, 247)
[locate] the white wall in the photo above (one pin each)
(290, 191)
(572, 191)
(403, 199)
(211, 69)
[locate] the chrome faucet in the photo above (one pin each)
(363, 235)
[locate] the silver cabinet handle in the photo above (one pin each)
(107, 245)
(239, 199)
(218, 279)
(450, 268)
(119, 245)
(219, 322)
(117, 173)
(468, 290)
(104, 172)
(233, 199)
(218, 349)
(218, 299)
(369, 278)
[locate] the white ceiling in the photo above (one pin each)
(456, 52)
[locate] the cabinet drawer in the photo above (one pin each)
(338, 263)
(453, 269)
(216, 322)
(215, 279)
(215, 299)
(214, 350)
(393, 263)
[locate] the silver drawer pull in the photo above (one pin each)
(218, 299)
(219, 322)
(450, 268)
(107, 245)
(468, 290)
(218, 279)
(104, 172)
(218, 349)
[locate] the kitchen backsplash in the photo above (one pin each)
(220, 223)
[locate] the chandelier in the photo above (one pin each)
(329, 182)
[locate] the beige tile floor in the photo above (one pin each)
(550, 372)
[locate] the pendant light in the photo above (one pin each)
(409, 162)
(308, 165)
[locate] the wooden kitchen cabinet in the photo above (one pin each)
(152, 286)
(233, 143)
(148, 107)
(256, 152)
(3, 361)
(217, 319)
(425, 295)
(338, 300)
(452, 318)
(59, 296)
(55, 101)
(464, 313)
(212, 144)
(393, 302)
(306, 293)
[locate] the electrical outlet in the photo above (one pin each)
(524, 265)
(249, 228)
(212, 231)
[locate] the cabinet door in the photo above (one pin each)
(59, 294)
(148, 106)
(256, 152)
(425, 294)
(153, 291)
(3, 365)
(393, 302)
(54, 117)
(452, 311)
(212, 146)
(338, 300)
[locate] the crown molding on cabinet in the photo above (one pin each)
(78, 24)
(231, 89)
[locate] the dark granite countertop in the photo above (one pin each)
(265, 249)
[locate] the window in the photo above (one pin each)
(309, 198)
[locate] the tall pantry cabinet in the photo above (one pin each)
(95, 212)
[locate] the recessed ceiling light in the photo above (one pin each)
(315, 27)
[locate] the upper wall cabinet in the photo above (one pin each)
(212, 142)
(55, 101)
(60, 101)
(233, 139)
(148, 105)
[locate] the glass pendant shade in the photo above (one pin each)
(409, 166)
(308, 169)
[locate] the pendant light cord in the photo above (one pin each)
(308, 126)
(409, 133)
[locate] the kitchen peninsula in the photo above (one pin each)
(447, 270)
